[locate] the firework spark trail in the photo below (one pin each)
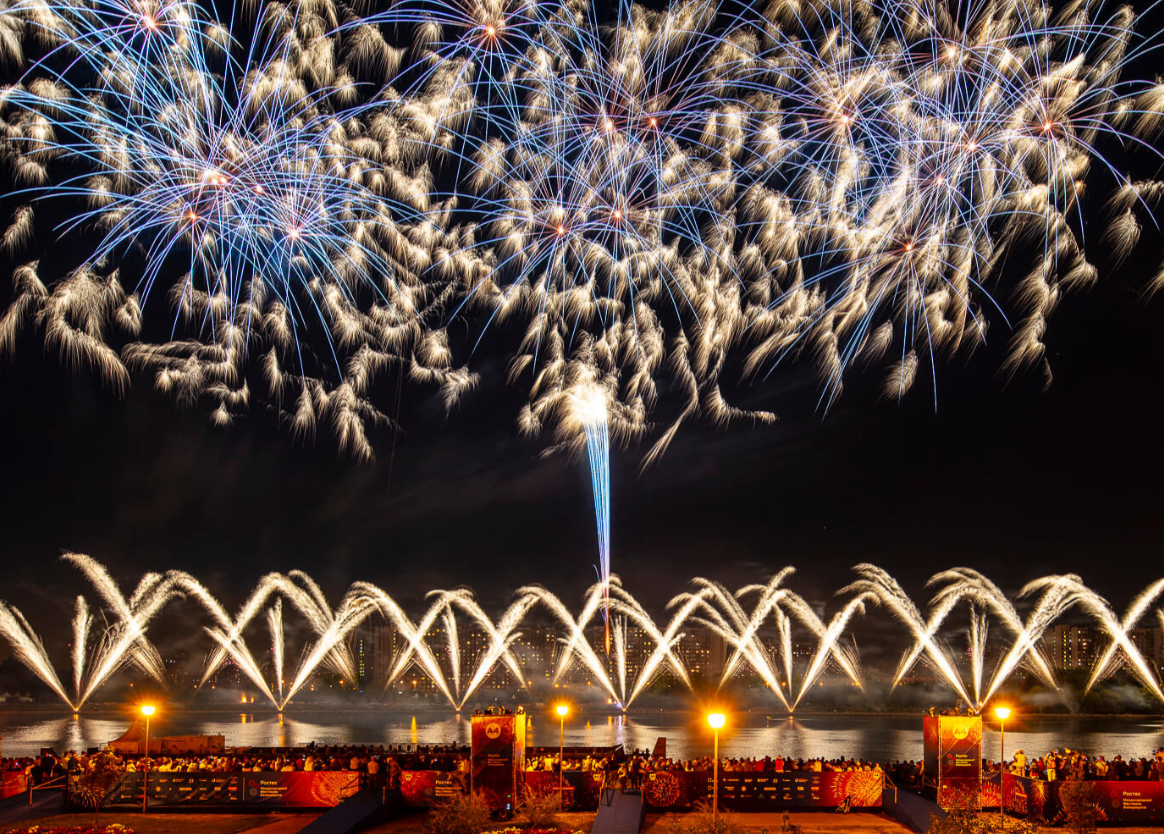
(28, 648)
(575, 646)
(592, 409)
(353, 610)
(82, 623)
(453, 646)
(976, 639)
(414, 636)
(275, 625)
(884, 589)
(501, 637)
(237, 651)
(1056, 599)
(1118, 630)
(500, 634)
(828, 644)
(141, 650)
(664, 641)
(727, 618)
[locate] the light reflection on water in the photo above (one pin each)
(874, 737)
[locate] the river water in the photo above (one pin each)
(872, 737)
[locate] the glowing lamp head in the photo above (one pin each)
(1002, 713)
(147, 710)
(562, 710)
(716, 720)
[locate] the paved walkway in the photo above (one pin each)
(287, 825)
(810, 822)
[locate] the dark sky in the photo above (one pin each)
(1006, 478)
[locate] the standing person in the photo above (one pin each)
(375, 783)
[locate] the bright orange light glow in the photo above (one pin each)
(617, 214)
(654, 122)
(1047, 126)
(562, 710)
(490, 31)
(909, 246)
(147, 710)
(716, 720)
(1003, 713)
(561, 230)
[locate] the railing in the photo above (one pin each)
(59, 782)
(889, 784)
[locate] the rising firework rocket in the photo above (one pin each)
(592, 409)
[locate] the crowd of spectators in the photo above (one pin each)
(1074, 765)
(369, 761)
(384, 763)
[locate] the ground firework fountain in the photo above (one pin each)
(757, 624)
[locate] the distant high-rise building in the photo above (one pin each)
(1069, 646)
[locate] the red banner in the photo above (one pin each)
(422, 788)
(323, 789)
(14, 783)
(766, 791)
(1114, 801)
(580, 792)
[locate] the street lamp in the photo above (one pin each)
(147, 710)
(563, 710)
(715, 720)
(1002, 713)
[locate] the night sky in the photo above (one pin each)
(1003, 477)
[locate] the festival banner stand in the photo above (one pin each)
(952, 760)
(498, 759)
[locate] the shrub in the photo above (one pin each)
(1079, 806)
(965, 821)
(699, 821)
(540, 810)
(460, 814)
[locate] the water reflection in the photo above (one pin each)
(871, 737)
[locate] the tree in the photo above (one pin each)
(94, 784)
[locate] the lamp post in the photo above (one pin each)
(563, 710)
(715, 720)
(147, 710)
(1002, 713)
